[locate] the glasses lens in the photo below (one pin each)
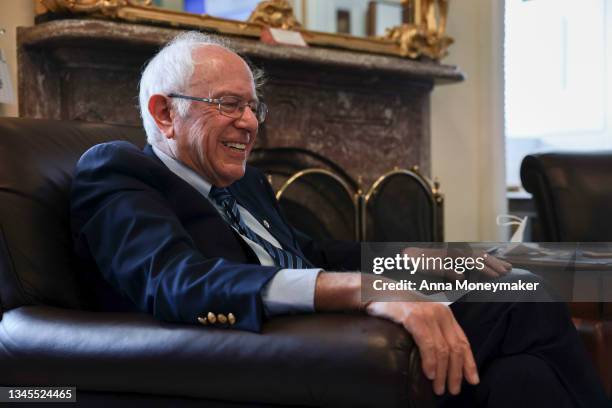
(230, 106)
(234, 107)
(262, 112)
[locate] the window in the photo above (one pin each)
(558, 78)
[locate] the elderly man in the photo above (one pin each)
(187, 231)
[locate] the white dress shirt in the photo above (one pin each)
(290, 290)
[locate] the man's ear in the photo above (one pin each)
(159, 108)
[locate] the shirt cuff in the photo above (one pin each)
(290, 291)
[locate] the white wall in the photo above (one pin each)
(13, 14)
(468, 124)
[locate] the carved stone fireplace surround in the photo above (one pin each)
(367, 113)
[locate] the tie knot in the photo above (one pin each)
(221, 196)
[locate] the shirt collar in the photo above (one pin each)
(184, 172)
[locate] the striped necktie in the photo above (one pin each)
(225, 200)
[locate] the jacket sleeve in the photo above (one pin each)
(142, 249)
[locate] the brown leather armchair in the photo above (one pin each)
(49, 337)
(572, 193)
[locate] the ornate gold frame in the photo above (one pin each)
(425, 31)
(424, 37)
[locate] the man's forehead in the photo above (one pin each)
(215, 61)
(208, 51)
(219, 71)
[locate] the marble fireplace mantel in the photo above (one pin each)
(366, 112)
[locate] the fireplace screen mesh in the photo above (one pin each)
(319, 204)
(320, 199)
(400, 208)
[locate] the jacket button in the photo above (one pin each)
(266, 224)
(202, 320)
(211, 317)
(231, 318)
(221, 318)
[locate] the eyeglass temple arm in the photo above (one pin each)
(193, 98)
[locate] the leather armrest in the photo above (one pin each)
(597, 337)
(313, 360)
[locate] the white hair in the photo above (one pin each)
(170, 71)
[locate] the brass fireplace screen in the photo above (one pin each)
(323, 201)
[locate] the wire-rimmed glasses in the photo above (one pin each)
(231, 106)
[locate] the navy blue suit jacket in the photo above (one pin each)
(163, 246)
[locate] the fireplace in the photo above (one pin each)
(356, 115)
(367, 113)
(320, 199)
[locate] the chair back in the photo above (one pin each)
(37, 162)
(572, 194)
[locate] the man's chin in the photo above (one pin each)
(233, 175)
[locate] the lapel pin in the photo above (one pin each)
(266, 224)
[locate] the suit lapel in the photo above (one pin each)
(243, 194)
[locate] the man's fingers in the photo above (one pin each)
(445, 351)
(500, 264)
(442, 359)
(496, 266)
(421, 333)
(461, 362)
(470, 370)
(455, 369)
(489, 271)
(457, 354)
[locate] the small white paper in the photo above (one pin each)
(519, 234)
(6, 86)
(287, 37)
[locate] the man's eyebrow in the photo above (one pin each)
(229, 93)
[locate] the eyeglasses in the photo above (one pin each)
(231, 106)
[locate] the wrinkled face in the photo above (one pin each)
(214, 145)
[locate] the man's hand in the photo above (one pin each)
(445, 351)
(493, 267)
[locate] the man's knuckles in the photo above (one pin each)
(427, 346)
(458, 349)
(443, 351)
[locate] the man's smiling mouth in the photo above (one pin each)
(236, 146)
